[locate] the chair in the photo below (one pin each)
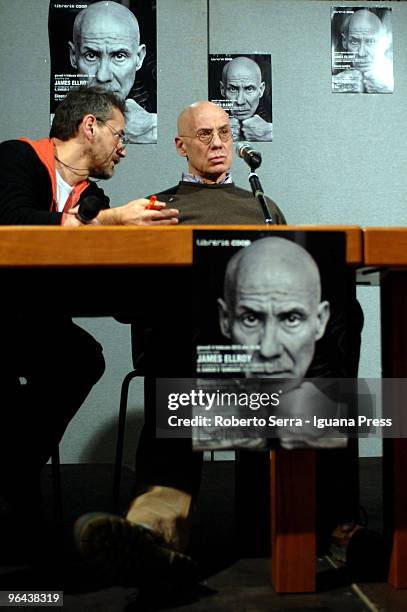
(138, 333)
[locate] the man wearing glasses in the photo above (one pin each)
(50, 364)
(207, 193)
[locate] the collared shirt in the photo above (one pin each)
(191, 178)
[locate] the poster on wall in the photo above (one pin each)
(362, 50)
(241, 84)
(111, 45)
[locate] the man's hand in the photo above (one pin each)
(137, 213)
(235, 128)
(141, 126)
(305, 402)
(69, 219)
(256, 128)
(374, 84)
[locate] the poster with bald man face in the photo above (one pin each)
(362, 50)
(112, 45)
(241, 84)
(274, 313)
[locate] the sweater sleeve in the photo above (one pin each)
(25, 187)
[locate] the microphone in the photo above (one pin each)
(89, 208)
(251, 157)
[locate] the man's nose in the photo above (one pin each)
(270, 344)
(240, 97)
(362, 49)
(216, 142)
(104, 73)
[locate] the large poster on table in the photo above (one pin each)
(111, 45)
(272, 319)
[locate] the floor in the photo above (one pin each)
(229, 581)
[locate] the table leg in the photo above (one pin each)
(293, 544)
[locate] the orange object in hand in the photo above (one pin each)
(151, 203)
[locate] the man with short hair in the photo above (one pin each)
(153, 538)
(242, 84)
(50, 364)
(106, 48)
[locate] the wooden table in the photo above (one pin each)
(111, 248)
(386, 248)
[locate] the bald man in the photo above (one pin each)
(106, 47)
(276, 306)
(242, 84)
(364, 37)
(206, 192)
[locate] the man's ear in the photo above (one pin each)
(180, 146)
(323, 314)
(222, 89)
(262, 88)
(224, 318)
(141, 53)
(72, 55)
(88, 125)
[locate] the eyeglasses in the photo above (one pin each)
(124, 140)
(206, 135)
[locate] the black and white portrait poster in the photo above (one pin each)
(274, 318)
(362, 50)
(111, 45)
(241, 84)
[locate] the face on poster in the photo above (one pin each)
(362, 50)
(271, 307)
(111, 45)
(241, 84)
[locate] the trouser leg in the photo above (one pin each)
(51, 365)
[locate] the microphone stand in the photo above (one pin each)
(257, 189)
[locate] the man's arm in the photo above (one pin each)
(257, 129)
(141, 126)
(25, 187)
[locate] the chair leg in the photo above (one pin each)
(56, 487)
(121, 427)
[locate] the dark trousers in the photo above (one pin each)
(49, 365)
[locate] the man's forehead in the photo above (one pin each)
(102, 23)
(243, 70)
(109, 37)
(208, 118)
(365, 23)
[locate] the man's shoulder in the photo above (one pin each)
(18, 146)
(167, 193)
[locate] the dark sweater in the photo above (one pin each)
(25, 187)
(225, 204)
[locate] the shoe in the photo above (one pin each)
(130, 553)
(360, 550)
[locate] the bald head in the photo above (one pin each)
(205, 140)
(243, 86)
(106, 46)
(362, 21)
(239, 66)
(197, 112)
(96, 17)
(278, 257)
(272, 300)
